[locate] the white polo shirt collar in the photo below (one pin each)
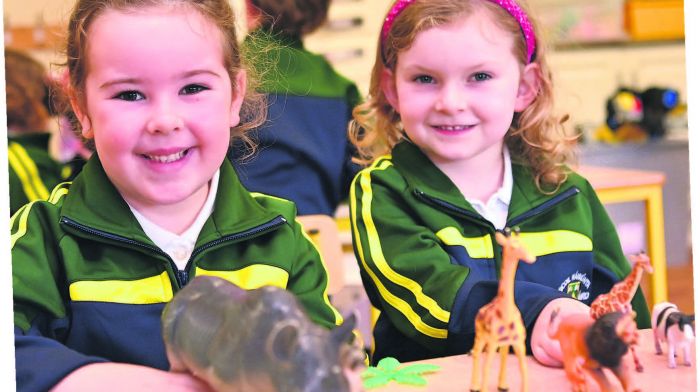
(495, 210)
(180, 247)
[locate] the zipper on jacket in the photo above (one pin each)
(279, 220)
(544, 206)
(181, 276)
(129, 241)
(452, 208)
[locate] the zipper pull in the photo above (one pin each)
(182, 277)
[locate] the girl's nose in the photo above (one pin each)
(164, 119)
(451, 99)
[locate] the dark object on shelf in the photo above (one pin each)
(657, 102)
(637, 116)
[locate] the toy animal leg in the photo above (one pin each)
(574, 373)
(502, 382)
(519, 350)
(490, 351)
(671, 356)
(601, 379)
(476, 357)
(623, 374)
(657, 344)
(637, 364)
(686, 355)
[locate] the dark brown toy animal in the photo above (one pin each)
(589, 346)
(255, 340)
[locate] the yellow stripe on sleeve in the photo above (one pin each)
(385, 269)
(27, 172)
(16, 165)
(23, 214)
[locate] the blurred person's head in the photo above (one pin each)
(26, 92)
(294, 18)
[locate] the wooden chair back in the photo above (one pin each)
(323, 231)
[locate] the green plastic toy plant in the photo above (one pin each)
(388, 370)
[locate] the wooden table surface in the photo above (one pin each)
(455, 374)
(610, 177)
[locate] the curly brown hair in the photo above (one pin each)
(219, 12)
(26, 91)
(536, 137)
(295, 18)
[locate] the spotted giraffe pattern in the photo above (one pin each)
(619, 298)
(499, 324)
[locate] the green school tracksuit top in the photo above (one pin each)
(429, 261)
(33, 173)
(90, 286)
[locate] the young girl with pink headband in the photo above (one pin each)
(461, 141)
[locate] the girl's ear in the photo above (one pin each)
(79, 110)
(238, 95)
(529, 86)
(388, 84)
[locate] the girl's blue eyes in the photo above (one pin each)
(133, 95)
(481, 76)
(477, 77)
(425, 79)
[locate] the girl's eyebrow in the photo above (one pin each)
(113, 82)
(184, 75)
(418, 67)
(196, 72)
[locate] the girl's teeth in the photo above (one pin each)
(167, 158)
(452, 127)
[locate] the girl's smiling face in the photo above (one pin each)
(457, 87)
(159, 104)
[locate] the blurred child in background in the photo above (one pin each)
(33, 172)
(304, 154)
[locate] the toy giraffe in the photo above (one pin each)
(498, 323)
(620, 296)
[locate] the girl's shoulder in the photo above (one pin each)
(577, 179)
(382, 171)
(40, 214)
(275, 204)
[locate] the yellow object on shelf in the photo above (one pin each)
(654, 19)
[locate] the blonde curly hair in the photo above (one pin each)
(536, 137)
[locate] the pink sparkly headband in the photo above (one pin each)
(509, 5)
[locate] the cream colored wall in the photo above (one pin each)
(56, 12)
(34, 12)
(29, 12)
(585, 77)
